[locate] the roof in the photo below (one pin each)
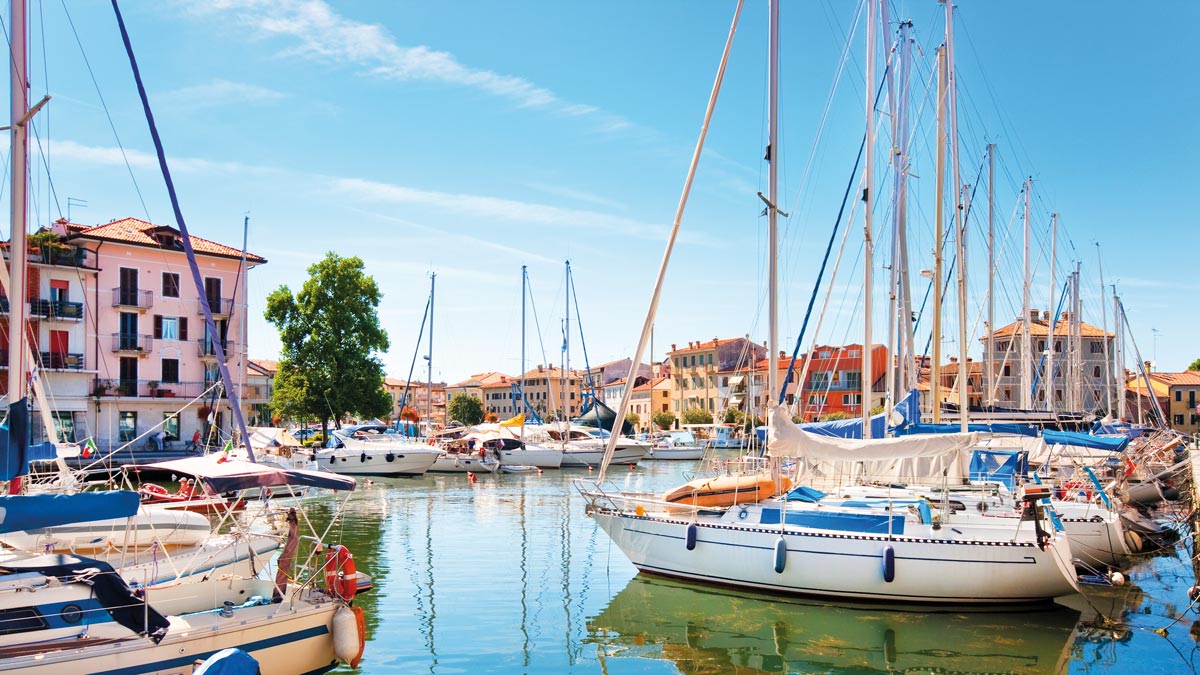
(1160, 385)
(656, 383)
(265, 366)
(551, 372)
(1186, 378)
(705, 345)
(142, 233)
(393, 382)
(1039, 328)
(973, 366)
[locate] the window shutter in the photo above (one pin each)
(157, 326)
(183, 328)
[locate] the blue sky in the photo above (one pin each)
(470, 138)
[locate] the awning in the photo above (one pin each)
(32, 512)
(235, 474)
(736, 380)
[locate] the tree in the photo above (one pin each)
(697, 416)
(331, 337)
(839, 415)
(663, 420)
(734, 416)
(465, 408)
(1195, 365)
(633, 419)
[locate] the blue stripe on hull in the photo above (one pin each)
(315, 631)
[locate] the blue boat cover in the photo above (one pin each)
(1109, 443)
(999, 428)
(1001, 466)
(803, 493)
(908, 409)
(232, 661)
(837, 521)
(15, 451)
(31, 512)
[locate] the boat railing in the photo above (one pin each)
(610, 496)
(740, 465)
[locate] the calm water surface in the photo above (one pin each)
(508, 575)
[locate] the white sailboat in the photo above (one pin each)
(885, 550)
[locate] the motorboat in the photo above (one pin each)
(371, 451)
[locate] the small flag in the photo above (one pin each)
(89, 448)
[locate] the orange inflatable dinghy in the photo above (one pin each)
(725, 490)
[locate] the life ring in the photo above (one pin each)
(153, 490)
(341, 576)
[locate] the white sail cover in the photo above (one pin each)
(825, 459)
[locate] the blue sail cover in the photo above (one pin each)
(998, 428)
(1079, 439)
(31, 512)
(1001, 466)
(908, 409)
(15, 451)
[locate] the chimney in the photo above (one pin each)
(1066, 317)
(715, 341)
(673, 347)
(541, 368)
(1046, 316)
(953, 359)
(1033, 314)
(782, 354)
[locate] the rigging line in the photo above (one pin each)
(541, 343)
(107, 113)
(579, 325)
(412, 367)
(820, 273)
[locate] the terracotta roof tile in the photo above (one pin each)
(705, 345)
(1039, 328)
(141, 233)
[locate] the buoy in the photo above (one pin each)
(691, 536)
(889, 564)
(349, 635)
(369, 482)
(589, 467)
(1133, 540)
(780, 555)
(631, 467)
(340, 573)
(471, 476)
(539, 472)
(640, 510)
(1117, 579)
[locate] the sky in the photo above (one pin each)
(470, 138)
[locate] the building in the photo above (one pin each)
(473, 385)
(832, 381)
(1178, 396)
(545, 392)
(497, 395)
(260, 385)
(703, 372)
(1086, 377)
(610, 395)
(948, 374)
(650, 397)
(419, 398)
(120, 331)
(606, 373)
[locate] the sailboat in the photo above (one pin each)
(890, 550)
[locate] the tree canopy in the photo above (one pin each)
(331, 336)
(697, 416)
(663, 420)
(465, 408)
(1195, 365)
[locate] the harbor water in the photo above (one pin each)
(508, 575)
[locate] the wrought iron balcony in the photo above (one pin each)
(146, 388)
(132, 342)
(61, 361)
(220, 307)
(132, 297)
(55, 310)
(208, 348)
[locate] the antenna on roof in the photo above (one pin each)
(74, 201)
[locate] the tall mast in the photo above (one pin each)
(524, 281)
(989, 370)
(566, 345)
(908, 365)
(964, 370)
(1052, 323)
(1108, 373)
(1026, 327)
(18, 69)
(1118, 355)
(429, 358)
(893, 375)
(868, 243)
(935, 368)
(772, 206)
(959, 227)
(1076, 326)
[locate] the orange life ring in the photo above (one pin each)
(341, 576)
(153, 490)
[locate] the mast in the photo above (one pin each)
(1108, 373)
(935, 368)
(989, 370)
(893, 375)
(908, 365)
(1052, 323)
(245, 305)
(964, 371)
(429, 358)
(524, 281)
(1076, 371)
(868, 243)
(19, 111)
(1118, 355)
(1026, 327)
(566, 345)
(773, 201)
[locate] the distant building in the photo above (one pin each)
(1178, 396)
(649, 398)
(833, 381)
(1093, 363)
(703, 371)
(606, 373)
(418, 399)
(260, 385)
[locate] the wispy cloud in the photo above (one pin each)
(575, 195)
(321, 33)
(461, 237)
(219, 92)
(68, 149)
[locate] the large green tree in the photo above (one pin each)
(663, 420)
(696, 415)
(1195, 365)
(330, 368)
(465, 408)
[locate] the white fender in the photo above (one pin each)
(347, 645)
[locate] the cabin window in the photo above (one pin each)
(20, 620)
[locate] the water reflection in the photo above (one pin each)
(705, 630)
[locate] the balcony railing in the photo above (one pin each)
(56, 310)
(61, 361)
(132, 297)
(132, 342)
(208, 348)
(219, 306)
(69, 256)
(143, 388)
(257, 392)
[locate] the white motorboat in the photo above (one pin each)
(450, 461)
(584, 446)
(377, 455)
(678, 445)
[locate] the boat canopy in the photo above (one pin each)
(906, 413)
(998, 428)
(789, 440)
(235, 474)
(1109, 443)
(272, 437)
(32, 512)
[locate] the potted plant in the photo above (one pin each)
(153, 384)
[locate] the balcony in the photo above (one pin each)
(207, 349)
(65, 256)
(132, 298)
(54, 310)
(143, 389)
(220, 307)
(60, 361)
(132, 342)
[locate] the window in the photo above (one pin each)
(825, 354)
(1058, 345)
(171, 426)
(170, 370)
(710, 359)
(724, 381)
(170, 285)
(1007, 371)
(58, 290)
(64, 424)
(1096, 372)
(126, 425)
(166, 327)
(1041, 345)
(820, 380)
(816, 399)
(851, 399)
(853, 379)
(1179, 420)
(26, 619)
(1097, 347)
(1178, 395)
(1007, 393)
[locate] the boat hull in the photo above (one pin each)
(166, 526)
(375, 461)
(452, 462)
(532, 455)
(677, 453)
(591, 456)
(849, 566)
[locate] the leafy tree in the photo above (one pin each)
(491, 418)
(750, 422)
(1195, 365)
(839, 415)
(697, 416)
(876, 410)
(734, 416)
(633, 419)
(797, 419)
(466, 409)
(663, 420)
(331, 337)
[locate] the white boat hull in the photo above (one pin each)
(532, 455)
(407, 461)
(151, 524)
(593, 454)
(677, 453)
(843, 565)
(453, 462)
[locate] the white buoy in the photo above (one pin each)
(1117, 579)
(346, 645)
